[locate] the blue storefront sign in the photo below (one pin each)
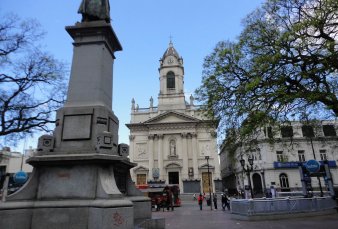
(291, 164)
(20, 177)
(312, 166)
(295, 164)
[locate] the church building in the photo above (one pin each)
(173, 143)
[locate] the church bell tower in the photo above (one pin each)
(171, 95)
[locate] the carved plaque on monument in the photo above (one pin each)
(77, 127)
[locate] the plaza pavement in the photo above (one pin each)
(188, 216)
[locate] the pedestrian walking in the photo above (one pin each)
(215, 200)
(227, 202)
(169, 203)
(171, 200)
(200, 201)
(224, 201)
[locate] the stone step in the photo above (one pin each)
(153, 223)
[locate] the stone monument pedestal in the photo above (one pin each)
(81, 177)
(76, 191)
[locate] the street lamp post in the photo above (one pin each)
(310, 134)
(207, 158)
(247, 170)
(318, 178)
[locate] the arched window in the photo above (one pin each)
(170, 80)
(284, 181)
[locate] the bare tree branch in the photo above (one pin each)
(32, 84)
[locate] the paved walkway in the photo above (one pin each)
(189, 216)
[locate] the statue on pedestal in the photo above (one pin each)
(95, 10)
(172, 148)
(151, 101)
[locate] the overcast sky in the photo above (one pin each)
(144, 28)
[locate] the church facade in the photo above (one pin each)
(173, 143)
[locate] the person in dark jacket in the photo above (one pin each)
(225, 203)
(223, 200)
(169, 200)
(215, 200)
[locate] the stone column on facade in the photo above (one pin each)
(217, 170)
(131, 155)
(151, 156)
(160, 155)
(131, 147)
(194, 154)
(184, 156)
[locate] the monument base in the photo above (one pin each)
(76, 191)
(74, 214)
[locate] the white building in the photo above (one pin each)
(13, 162)
(170, 142)
(276, 159)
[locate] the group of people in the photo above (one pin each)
(224, 199)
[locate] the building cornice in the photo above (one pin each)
(168, 125)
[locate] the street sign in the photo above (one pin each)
(20, 177)
(312, 166)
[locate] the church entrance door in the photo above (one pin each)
(205, 182)
(174, 178)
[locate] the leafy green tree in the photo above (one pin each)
(285, 63)
(31, 80)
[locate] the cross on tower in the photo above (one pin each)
(170, 43)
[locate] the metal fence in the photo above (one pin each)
(300, 194)
(280, 205)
